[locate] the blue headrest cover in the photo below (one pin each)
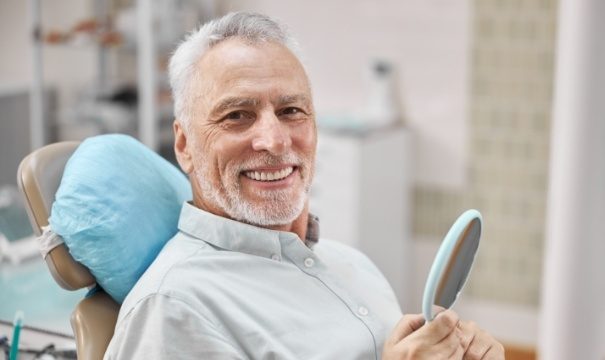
(116, 207)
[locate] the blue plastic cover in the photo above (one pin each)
(117, 205)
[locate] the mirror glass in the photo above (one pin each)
(452, 264)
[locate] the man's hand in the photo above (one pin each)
(439, 339)
(446, 337)
(478, 344)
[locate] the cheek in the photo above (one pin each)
(305, 141)
(228, 154)
(205, 158)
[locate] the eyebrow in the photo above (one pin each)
(290, 99)
(243, 102)
(234, 102)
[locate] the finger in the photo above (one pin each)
(407, 325)
(443, 324)
(453, 345)
(495, 352)
(467, 334)
(445, 349)
(438, 309)
(457, 354)
(480, 344)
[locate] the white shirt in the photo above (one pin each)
(221, 289)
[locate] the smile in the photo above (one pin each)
(269, 175)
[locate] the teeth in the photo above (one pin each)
(269, 176)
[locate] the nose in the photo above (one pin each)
(271, 135)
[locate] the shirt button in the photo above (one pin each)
(309, 262)
(362, 311)
(275, 257)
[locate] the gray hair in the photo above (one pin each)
(253, 28)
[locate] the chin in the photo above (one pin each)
(268, 213)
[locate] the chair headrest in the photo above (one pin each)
(38, 177)
(117, 205)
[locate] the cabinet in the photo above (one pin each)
(361, 193)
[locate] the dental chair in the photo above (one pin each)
(94, 318)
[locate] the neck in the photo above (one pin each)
(298, 226)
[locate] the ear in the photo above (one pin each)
(181, 150)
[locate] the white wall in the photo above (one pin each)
(572, 323)
(14, 68)
(69, 68)
(427, 40)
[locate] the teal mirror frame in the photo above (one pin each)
(442, 259)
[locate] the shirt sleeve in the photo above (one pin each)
(163, 327)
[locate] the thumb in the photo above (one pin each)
(407, 325)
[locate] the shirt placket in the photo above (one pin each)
(306, 260)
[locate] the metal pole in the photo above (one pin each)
(148, 123)
(37, 122)
(102, 13)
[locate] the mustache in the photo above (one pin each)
(266, 159)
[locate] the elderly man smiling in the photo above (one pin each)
(246, 277)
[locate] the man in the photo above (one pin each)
(246, 277)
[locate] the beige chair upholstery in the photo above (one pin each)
(94, 318)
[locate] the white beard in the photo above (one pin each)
(278, 207)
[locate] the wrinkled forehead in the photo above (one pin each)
(235, 59)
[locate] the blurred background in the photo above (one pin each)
(425, 109)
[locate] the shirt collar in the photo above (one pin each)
(233, 235)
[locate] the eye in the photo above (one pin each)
(291, 111)
(236, 116)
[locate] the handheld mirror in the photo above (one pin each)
(452, 264)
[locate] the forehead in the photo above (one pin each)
(236, 66)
